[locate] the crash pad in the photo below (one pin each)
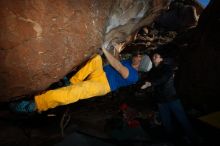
(212, 119)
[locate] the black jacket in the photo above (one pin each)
(162, 81)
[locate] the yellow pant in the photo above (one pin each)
(88, 82)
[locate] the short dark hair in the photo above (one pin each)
(160, 52)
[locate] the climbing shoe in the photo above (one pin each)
(23, 106)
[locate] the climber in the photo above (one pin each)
(91, 80)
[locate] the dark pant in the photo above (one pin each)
(174, 108)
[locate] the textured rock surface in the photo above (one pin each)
(41, 41)
(128, 16)
(178, 17)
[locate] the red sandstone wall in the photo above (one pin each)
(43, 40)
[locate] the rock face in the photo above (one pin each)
(179, 17)
(127, 16)
(199, 81)
(41, 41)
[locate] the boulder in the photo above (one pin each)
(42, 41)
